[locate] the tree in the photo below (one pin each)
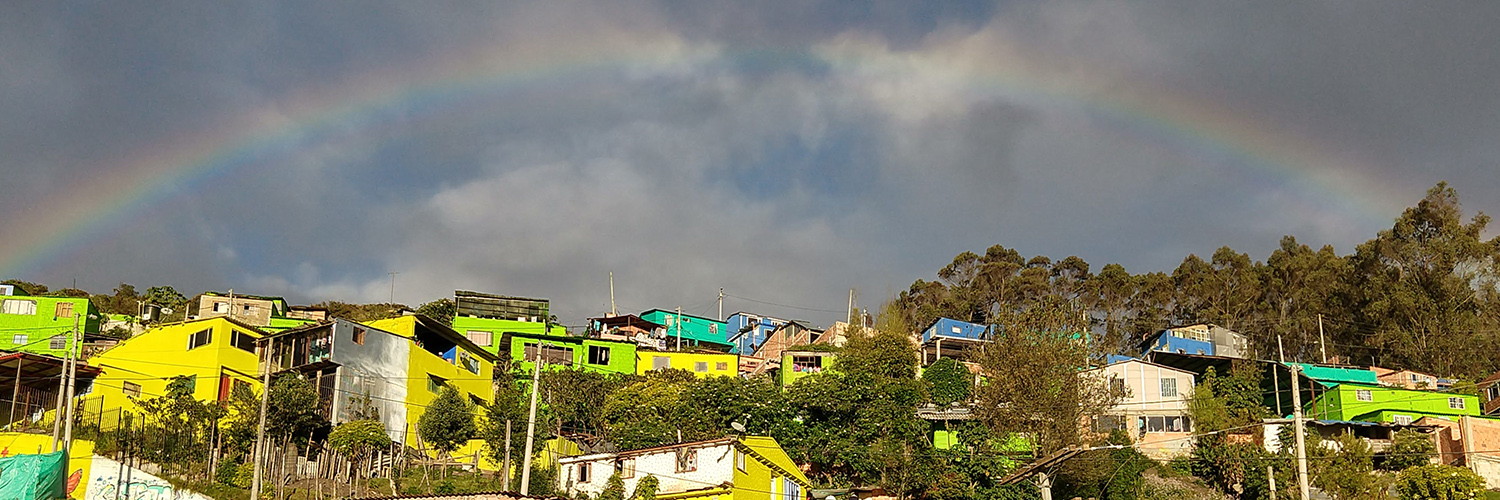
(166, 296)
(182, 424)
(614, 488)
(1409, 448)
(1423, 287)
(948, 381)
(292, 411)
(645, 489)
(1035, 378)
(644, 414)
(357, 439)
(441, 309)
(1439, 482)
(1345, 471)
(448, 422)
(26, 287)
(1219, 405)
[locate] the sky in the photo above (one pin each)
(784, 151)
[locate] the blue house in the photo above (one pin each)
(748, 331)
(1202, 339)
(952, 338)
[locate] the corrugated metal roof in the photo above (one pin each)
(1338, 375)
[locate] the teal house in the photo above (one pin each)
(44, 325)
(1378, 403)
(575, 353)
(695, 332)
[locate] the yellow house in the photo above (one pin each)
(747, 468)
(702, 364)
(440, 357)
(217, 353)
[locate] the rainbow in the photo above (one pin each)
(1327, 181)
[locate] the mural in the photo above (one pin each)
(111, 480)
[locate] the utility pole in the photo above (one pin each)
(1322, 345)
(1271, 476)
(62, 390)
(1044, 483)
(260, 435)
(612, 311)
(1297, 426)
(721, 303)
(506, 487)
(679, 329)
(393, 286)
(851, 306)
(536, 377)
(67, 442)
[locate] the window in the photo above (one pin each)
(1401, 419)
(1456, 403)
(1364, 395)
(468, 362)
(18, 306)
(598, 354)
(790, 489)
(480, 337)
(221, 307)
(721, 366)
(1168, 387)
(1105, 423)
(64, 310)
(551, 354)
(1176, 424)
(435, 384)
(661, 362)
(200, 339)
(583, 472)
(626, 468)
(243, 341)
(58, 342)
(956, 330)
(131, 389)
(687, 460)
(359, 336)
(20, 339)
(739, 460)
(1117, 385)
(700, 367)
(1492, 392)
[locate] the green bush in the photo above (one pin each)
(1438, 482)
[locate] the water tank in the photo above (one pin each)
(151, 312)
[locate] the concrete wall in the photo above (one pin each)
(111, 480)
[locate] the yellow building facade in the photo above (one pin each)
(217, 353)
(702, 364)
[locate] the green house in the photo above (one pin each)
(1378, 403)
(488, 332)
(577, 353)
(45, 325)
(694, 331)
(798, 364)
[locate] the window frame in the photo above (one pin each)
(686, 460)
(489, 337)
(1365, 395)
(1397, 419)
(1456, 403)
(626, 468)
(359, 335)
(20, 339)
(22, 304)
(57, 309)
(584, 471)
(130, 389)
(53, 341)
(598, 355)
(237, 339)
(1166, 382)
(206, 333)
(700, 366)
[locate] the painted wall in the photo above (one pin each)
(150, 360)
(715, 466)
(112, 480)
(1168, 343)
(473, 328)
(1342, 402)
(694, 328)
(750, 340)
(952, 328)
(621, 357)
(701, 364)
(33, 332)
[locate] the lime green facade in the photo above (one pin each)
(487, 332)
(1377, 403)
(796, 365)
(45, 325)
(605, 356)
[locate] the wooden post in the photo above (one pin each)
(15, 393)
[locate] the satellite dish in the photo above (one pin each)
(737, 426)
(166, 310)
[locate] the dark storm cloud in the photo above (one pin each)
(732, 146)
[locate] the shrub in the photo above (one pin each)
(1438, 482)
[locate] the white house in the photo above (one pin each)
(1155, 410)
(722, 469)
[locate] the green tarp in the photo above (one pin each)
(34, 477)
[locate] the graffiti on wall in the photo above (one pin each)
(111, 480)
